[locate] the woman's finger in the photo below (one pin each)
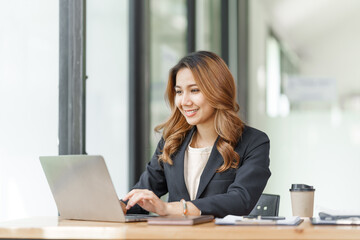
(140, 195)
(131, 193)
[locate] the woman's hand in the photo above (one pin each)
(150, 202)
(123, 206)
(147, 200)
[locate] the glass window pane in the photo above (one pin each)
(208, 25)
(107, 87)
(29, 80)
(168, 45)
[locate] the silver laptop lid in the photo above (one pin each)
(82, 188)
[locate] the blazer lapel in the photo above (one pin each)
(178, 164)
(214, 162)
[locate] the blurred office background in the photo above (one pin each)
(296, 65)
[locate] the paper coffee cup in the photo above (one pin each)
(302, 200)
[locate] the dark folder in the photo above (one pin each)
(179, 220)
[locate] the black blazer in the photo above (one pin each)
(235, 191)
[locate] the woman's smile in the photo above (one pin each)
(190, 113)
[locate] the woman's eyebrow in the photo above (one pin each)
(191, 85)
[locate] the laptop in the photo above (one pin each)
(83, 190)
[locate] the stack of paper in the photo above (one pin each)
(336, 219)
(240, 220)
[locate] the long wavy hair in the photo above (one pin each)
(215, 81)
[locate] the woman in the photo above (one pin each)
(207, 160)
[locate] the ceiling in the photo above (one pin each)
(300, 22)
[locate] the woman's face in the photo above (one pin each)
(191, 102)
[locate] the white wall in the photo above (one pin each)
(29, 77)
(317, 147)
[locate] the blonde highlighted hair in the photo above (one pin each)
(215, 81)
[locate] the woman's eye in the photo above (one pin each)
(178, 91)
(195, 90)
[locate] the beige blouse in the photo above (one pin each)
(194, 163)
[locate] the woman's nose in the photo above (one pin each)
(185, 99)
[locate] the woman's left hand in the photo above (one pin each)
(147, 200)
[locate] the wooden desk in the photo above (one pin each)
(52, 228)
